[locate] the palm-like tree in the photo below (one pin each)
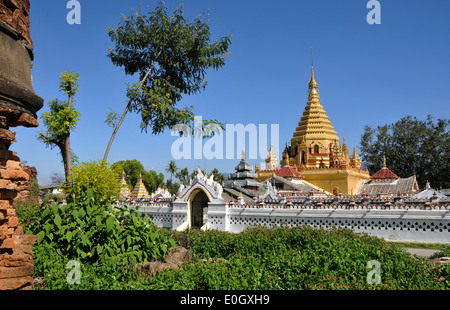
(171, 168)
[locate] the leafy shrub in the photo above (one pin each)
(99, 176)
(87, 231)
(295, 258)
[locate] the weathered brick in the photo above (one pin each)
(18, 230)
(5, 204)
(16, 272)
(5, 194)
(7, 135)
(15, 283)
(9, 155)
(14, 260)
(10, 212)
(25, 239)
(13, 221)
(7, 244)
(8, 185)
(13, 164)
(22, 249)
(14, 175)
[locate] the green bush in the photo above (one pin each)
(99, 176)
(295, 258)
(87, 231)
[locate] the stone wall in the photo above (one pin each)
(18, 107)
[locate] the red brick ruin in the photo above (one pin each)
(18, 107)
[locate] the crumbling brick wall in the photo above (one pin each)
(18, 107)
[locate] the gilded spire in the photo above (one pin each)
(313, 91)
(312, 81)
(384, 161)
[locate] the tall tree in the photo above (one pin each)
(218, 177)
(172, 169)
(171, 56)
(183, 176)
(62, 119)
(411, 146)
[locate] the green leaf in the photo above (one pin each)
(45, 213)
(40, 236)
(69, 236)
(48, 227)
(57, 221)
(172, 242)
(55, 208)
(110, 223)
(98, 220)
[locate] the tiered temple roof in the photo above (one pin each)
(139, 191)
(124, 190)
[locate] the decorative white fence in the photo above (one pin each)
(411, 222)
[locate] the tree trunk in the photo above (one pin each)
(105, 157)
(67, 157)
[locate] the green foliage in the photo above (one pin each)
(87, 231)
(295, 258)
(62, 120)
(172, 168)
(28, 211)
(218, 177)
(174, 53)
(99, 176)
(133, 168)
(59, 121)
(172, 187)
(411, 146)
(112, 118)
(68, 83)
(444, 253)
(183, 176)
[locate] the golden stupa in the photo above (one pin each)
(315, 151)
(124, 190)
(139, 190)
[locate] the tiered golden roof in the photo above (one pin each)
(316, 153)
(314, 138)
(124, 190)
(139, 190)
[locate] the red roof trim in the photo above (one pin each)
(288, 172)
(385, 173)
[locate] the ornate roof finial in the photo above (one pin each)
(384, 161)
(244, 157)
(313, 91)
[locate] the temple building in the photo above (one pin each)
(271, 166)
(242, 184)
(316, 153)
(124, 190)
(139, 190)
(385, 182)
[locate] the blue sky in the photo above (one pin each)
(367, 74)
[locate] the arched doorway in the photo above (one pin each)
(198, 205)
